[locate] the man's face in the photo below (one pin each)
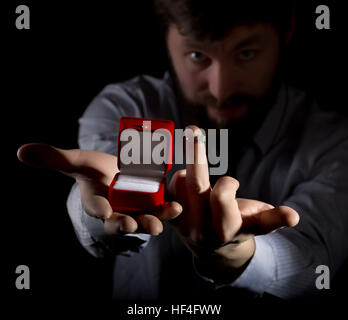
(227, 76)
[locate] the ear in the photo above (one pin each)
(289, 34)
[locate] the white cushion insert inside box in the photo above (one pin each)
(138, 183)
(144, 177)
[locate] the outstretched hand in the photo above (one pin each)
(94, 171)
(217, 227)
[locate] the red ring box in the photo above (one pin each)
(140, 184)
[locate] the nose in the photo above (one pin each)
(221, 81)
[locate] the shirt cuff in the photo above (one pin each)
(259, 273)
(96, 229)
(142, 236)
(261, 270)
(91, 234)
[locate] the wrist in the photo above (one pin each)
(235, 255)
(226, 263)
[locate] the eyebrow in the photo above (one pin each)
(248, 41)
(243, 43)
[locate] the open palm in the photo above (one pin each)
(94, 171)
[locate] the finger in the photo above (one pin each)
(119, 223)
(71, 162)
(150, 224)
(226, 217)
(271, 220)
(197, 169)
(249, 207)
(197, 182)
(178, 189)
(169, 211)
(177, 182)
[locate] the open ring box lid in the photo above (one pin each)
(145, 152)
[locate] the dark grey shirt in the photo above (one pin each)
(297, 158)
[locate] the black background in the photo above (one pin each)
(51, 73)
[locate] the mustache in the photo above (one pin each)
(232, 101)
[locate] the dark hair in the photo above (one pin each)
(213, 18)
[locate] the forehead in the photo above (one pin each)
(237, 36)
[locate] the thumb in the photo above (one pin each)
(74, 162)
(270, 220)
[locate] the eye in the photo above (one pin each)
(197, 56)
(247, 55)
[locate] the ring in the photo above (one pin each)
(200, 138)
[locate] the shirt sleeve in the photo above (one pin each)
(284, 263)
(98, 131)
(90, 232)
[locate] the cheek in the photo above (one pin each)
(191, 82)
(193, 86)
(180, 69)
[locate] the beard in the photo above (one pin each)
(246, 113)
(223, 114)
